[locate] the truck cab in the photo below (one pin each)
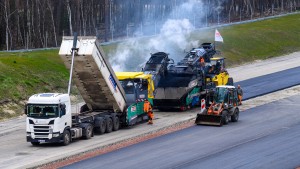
(48, 116)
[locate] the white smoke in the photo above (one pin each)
(177, 31)
(174, 38)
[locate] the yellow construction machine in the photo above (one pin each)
(216, 74)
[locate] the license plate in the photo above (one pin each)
(41, 141)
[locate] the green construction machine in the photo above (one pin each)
(138, 87)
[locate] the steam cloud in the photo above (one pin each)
(173, 39)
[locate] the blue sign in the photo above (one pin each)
(113, 82)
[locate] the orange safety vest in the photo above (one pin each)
(201, 60)
(148, 109)
(147, 106)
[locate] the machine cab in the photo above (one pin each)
(216, 65)
(226, 94)
(137, 86)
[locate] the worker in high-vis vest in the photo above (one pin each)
(240, 94)
(202, 62)
(148, 110)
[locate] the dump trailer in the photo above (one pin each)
(49, 115)
(223, 108)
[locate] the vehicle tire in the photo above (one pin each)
(109, 125)
(225, 119)
(35, 143)
(235, 116)
(66, 138)
(88, 131)
(116, 123)
(101, 128)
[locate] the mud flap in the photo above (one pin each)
(203, 119)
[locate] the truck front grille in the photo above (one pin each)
(41, 131)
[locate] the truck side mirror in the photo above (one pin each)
(25, 110)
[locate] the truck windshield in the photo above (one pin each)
(42, 110)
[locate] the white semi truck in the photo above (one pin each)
(49, 115)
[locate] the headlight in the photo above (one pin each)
(55, 135)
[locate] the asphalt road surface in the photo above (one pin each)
(270, 83)
(265, 137)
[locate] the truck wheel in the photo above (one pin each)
(109, 125)
(35, 143)
(116, 123)
(102, 125)
(66, 138)
(225, 119)
(88, 131)
(235, 116)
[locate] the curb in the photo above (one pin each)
(67, 160)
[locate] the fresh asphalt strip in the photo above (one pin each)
(266, 84)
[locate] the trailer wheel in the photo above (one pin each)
(66, 138)
(101, 128)
(235, 116)
(88, 131)
(225, 119)
(116, 123)
(109, 125)
(35, 143)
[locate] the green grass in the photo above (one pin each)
(258, 40)
(25, 73)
